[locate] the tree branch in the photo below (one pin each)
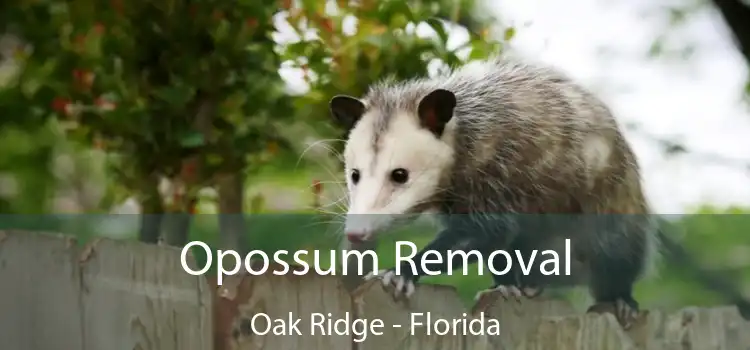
(737, 17)
(676, 148)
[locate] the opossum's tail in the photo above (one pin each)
(713, 280)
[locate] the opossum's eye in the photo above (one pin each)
(400, 175)
(355, 176)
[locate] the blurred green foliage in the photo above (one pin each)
(190, 91)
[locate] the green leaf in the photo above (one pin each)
(403, 8)
(438, 26)
(510, 32)
(478, 51)
(176, 95)
(399, 20)
(221, 32)
(192, 139)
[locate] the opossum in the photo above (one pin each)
(510, 155)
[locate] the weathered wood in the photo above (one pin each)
(138, 296)
(439, 302)
(718, 328)
(39, 292)
(110, 294)
(242, 296)
(118, 294)
(518, 318)
(585, 332)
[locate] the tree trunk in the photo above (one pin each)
(736, 15)
(352, 279)
(232, 226)
(177, 225)
(177, 228)
(190, 179)
(152, 209)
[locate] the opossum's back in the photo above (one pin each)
(539, 140)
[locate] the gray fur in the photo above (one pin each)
(523, 129)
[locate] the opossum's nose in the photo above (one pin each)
(354, 237)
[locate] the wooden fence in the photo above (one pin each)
(112, 294)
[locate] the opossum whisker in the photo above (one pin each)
(316, 143)
(338, 204)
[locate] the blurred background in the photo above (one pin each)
(177, 110)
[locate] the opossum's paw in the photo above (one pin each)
(484, 299)
(508, 292)
(626, 310)
(403, 285)
(532, 292)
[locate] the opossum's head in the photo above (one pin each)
(396, 158)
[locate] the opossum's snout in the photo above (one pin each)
(354, 237)
(361, 228)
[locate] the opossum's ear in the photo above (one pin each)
(436, 109)
(346, 110)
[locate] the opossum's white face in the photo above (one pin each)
(394, 163)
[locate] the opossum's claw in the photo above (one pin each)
(532, 292)
(373, 275)
(403, 285)
(507, 292)
(625, 310)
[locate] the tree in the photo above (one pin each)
(178, 89)
(384, 45)
(190, 90)
(736, 14)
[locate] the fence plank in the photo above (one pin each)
(585, 332)
(437, 302)
(517, 318)
(717, 328)
(119, 294)
(243, 296)
(113, 294)
(39, 304)
(530, 325)
(138, 296)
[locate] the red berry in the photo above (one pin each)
(117, 6)
(83, 77)
(327, 25)
(60, 104)
(317, 187)
(105, 104)
(99, 28)
(189, 170)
